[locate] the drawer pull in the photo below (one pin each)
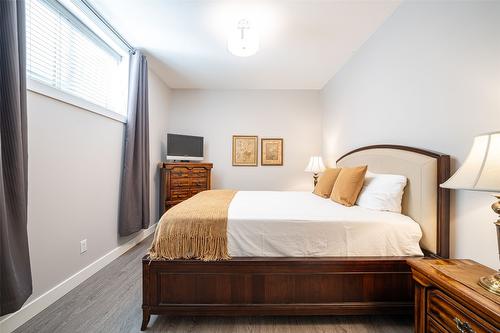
(463, 326)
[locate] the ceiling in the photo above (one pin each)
(302, 43)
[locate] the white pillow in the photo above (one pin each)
(382, 192)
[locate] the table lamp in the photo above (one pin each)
(481, 172)
(315, 166)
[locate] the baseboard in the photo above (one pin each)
(12, 321)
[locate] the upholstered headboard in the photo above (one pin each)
(423, 200)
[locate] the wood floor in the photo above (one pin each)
(110, 301)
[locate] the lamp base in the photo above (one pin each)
(491, 283)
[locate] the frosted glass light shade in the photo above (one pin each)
(243, 41)
(315, 165)
(481, 169)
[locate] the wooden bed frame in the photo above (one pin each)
(258, 286)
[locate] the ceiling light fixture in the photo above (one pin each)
(244, 41)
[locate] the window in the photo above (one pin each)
(66, 55)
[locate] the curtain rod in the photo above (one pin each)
(98, 15)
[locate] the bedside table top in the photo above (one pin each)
(458, 277)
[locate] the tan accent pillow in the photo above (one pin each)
(325, 183)
(348, 185)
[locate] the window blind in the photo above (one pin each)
(64, 53)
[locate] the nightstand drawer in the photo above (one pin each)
(433, 327)
(454, 317)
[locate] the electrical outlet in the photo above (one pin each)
(83, 246)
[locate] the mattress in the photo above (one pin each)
(301, 224)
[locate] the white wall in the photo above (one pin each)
(159, 103)
(75, 163)
(73, 188)
(429, 78)
(293, 115)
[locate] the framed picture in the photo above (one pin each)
(272, 152)
(245, 149)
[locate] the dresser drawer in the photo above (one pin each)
(197, 190)
(199, 172)
(454, 317)
(179, 172)
(179, 194)
(179, 182)
(171, 204)
(199, 182)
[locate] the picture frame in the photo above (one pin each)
(271, 152)
(245, 150)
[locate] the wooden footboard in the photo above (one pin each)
(277, 286)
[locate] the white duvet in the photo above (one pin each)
(301, 224)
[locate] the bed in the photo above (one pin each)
(302, 224)
(360, 273)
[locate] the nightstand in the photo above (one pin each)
(448, 298)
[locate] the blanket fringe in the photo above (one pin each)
(194, 229)
(190, 247)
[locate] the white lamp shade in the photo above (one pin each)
(315, 165)
(481, 169)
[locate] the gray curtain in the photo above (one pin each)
(134, 198)
(15, 271)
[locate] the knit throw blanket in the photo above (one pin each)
(195, 228)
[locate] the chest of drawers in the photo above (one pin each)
(182, 180)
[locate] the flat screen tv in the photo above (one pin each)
(184, 147)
